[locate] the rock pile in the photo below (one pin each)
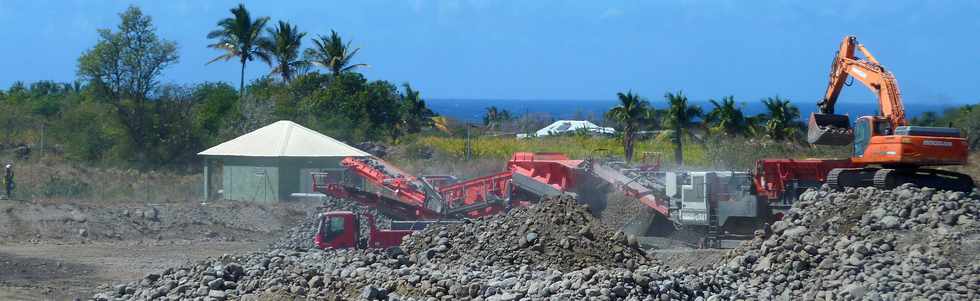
(558, 233)
(379, 275)
(861, 244)
(866, 243)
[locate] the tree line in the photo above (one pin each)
(634, 114)
(119, 109)
(780, 122)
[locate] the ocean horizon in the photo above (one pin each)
(472, 110)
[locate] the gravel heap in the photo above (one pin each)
(300, 236)
(557, 233)
(866, 244)
(909, 243)
(385, 275)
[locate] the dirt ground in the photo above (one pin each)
(49, 271)
(62, 250)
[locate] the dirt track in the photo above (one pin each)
(61, 250)
(65, 271)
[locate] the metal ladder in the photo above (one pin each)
(712, 239)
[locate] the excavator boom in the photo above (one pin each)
(827, 128)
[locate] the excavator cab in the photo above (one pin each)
(863, 130)
(829, 129)
(866, 127)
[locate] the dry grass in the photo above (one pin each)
(55, 178)
(972, 168)
(734, 153)
(502, 148)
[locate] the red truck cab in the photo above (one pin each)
(341, 230)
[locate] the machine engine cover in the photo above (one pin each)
(927, 131)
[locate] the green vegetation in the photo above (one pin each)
(631, 114)
(282, 50)
(493, 117)
(415, 115)
(575, 146)
(122, 70)
(238, 37)
(120, 113)
(333, 54)
(723, 153)
(726, 118)
(680, 116)
(782, 120)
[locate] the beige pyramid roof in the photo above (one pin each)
(283, 138)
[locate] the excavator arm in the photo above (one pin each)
(829, 129)
(838, 75)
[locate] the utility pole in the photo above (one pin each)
(525, 124)
(42, 140)
(466, 149)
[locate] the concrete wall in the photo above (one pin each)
(250, 180)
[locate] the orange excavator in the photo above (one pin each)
(887, 151)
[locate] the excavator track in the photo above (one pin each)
(935, 178)
(833, 178)
(885, 178)
(890, 178)
(841, 178)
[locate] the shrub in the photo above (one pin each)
(65, 187)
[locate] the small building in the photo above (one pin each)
(270, 163)
(563, 127)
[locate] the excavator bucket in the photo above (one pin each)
(829, 129)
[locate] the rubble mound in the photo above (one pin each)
(866, 243)
(861, 244)
(556, 233)
(300, 236)
(278, 273)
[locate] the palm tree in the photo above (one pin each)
(680, 116)
(237, 37)
(727, 117)
(493, 117)
(632, 112)
(782, 118)
(415, 114)
(331, 53)
(283, 47)
(490, 115)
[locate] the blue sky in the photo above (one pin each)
(553, 49)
